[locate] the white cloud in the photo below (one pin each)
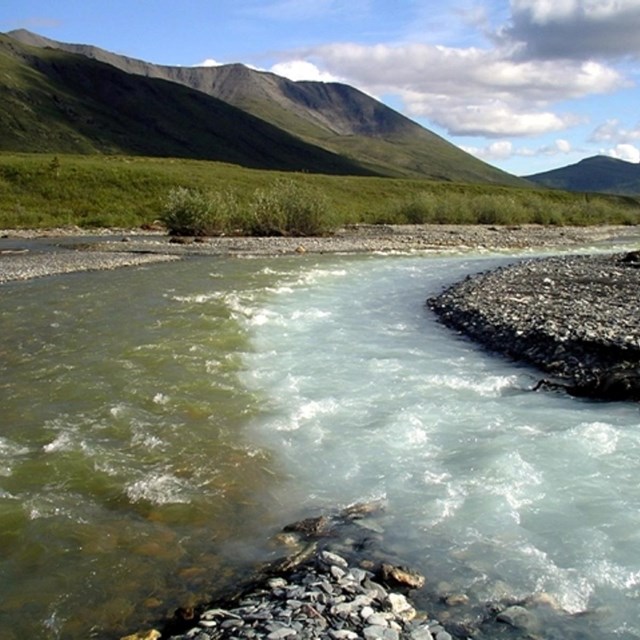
(504, 149)
(492, 120)
(578, 29)
(302, 70)
(209, 62)
(468, 91)
(613, 132)
(627, 152)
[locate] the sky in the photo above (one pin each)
(526, 85)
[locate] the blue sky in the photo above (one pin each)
(527, 85)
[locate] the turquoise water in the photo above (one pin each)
(160, 424)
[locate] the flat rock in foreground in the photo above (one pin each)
(574, 317)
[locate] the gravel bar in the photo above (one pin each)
(26, 254)
(574, 317)
(24, 265)
(385, 238)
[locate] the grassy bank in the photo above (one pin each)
(39, 190)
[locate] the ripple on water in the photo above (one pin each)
(159, 487)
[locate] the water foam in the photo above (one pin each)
(598, 438)
(10, 453)
(159, 487)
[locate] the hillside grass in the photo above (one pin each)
(47, 190)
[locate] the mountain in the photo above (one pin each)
(336, 117)
(55, 101)
(596, 174)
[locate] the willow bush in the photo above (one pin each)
(193, 212)
(289, 208)
(286, 208)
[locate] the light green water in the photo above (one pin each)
(125, 471)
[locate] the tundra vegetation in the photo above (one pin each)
(194, 197)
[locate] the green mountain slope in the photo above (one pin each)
(55, 101)
(334, 116)
(596, 174)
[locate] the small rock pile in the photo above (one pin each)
(324, 598)
(340, 584)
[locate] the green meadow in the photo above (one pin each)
(199, 197)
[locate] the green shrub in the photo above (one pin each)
(418, 208)
(289, 207)
(192, 212)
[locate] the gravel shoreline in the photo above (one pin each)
(573, 317)
(338, 582)
(26, 254)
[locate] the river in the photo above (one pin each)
(160, 424)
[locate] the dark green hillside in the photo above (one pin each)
(55, 101)
(336, 117)
(597, 174)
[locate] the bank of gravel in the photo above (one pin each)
(340, 583)
(26, 254)
(23, 265)
(574, 317)
(383, 238)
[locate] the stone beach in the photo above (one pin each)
(26, 254)
(339, 583)
(574, 317)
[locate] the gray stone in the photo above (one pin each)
(366, 612)
(377, 619)
(343, 634)
(374, 632)
(519, 618)
(400, 607)
(281, 633)
(333, 559)
(422, 633)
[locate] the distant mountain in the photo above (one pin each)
(334, 116)
(596, 174)
(55, 101)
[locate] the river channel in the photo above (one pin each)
(160, 424)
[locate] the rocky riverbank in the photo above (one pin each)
(27, 254)
(339, 583)
(574, 317)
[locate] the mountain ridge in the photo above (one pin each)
(598, 174)
(335, 117)
(57, 101)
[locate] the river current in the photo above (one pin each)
(160, 424)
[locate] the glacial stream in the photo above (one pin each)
(159, 425)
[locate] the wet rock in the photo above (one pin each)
(632, 256)
(310, 526)
(456, 600)
(362, 509)
(152, 634)
(401, 576)
(519, 618)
